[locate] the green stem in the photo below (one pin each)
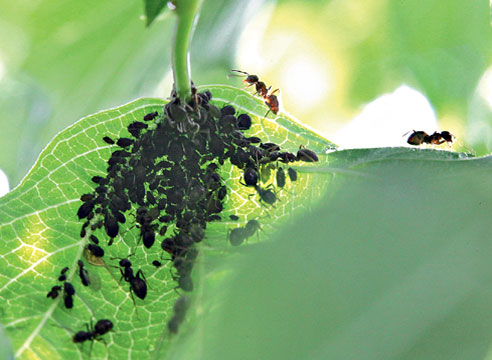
(185, 25)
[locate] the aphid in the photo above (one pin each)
(250, 177)
(180, 308)
(108, 140)
(156, 263)
(85, 209)
(244, 122)
(234, 217)
(94, 239)
(98, 179)
(68, 292)
(111, 226)
(306, 155)
(148, 237)
(280, 177)
(214, 218)
(96, 250)
(62, 276)
(53, 293)
(87, 197)
(151, 116)
(92, 259)
(237, 236)
(83, 273)
(124, 142)
(292, 174)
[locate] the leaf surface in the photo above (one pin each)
(40, 234)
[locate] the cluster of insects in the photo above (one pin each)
(437, 138)
(163, 178)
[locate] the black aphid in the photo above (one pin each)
(244, 122)
(124, 142)
(95, 250)
(53, 293)
(151, 116)
(108, 140)
(280, 177)
(250, 177)
(306, 155)
(83, 274)
(292, 174)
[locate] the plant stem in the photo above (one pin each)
(185, 25)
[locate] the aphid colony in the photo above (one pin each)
(165, 174)
(437, 138)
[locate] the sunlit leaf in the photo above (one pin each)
(40, 235)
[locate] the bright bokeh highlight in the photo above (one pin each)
(384, 121)
(4, 183)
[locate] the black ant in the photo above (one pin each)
(94, 332)
(421, 137)
(266, 195)
(138, 284)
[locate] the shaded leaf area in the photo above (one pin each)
(40, 235)
(391, 264)
(152, 9)
(5, 348)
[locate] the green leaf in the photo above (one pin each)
(393, 263)
(153, 8)
(40, 235)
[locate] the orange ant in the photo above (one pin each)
(260, 86)
(272, 102)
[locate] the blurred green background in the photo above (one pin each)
(420, 64)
